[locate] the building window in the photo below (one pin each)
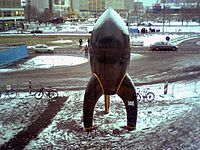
(56, 2)
(7, 13)
(1, 13)
(17, 13)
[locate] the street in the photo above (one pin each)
(152, 67)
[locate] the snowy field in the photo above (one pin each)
(65, 129)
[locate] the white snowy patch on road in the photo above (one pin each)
(53, 61)
(62, 42)
(48, 62)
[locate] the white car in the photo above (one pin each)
(43, 48)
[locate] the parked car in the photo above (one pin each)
(36, 31)
(163, 46)
(42, 48)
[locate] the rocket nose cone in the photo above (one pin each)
(111, 16)
(110, 31)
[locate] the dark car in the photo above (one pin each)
(163, 46)
(36, 31)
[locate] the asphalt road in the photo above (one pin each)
(152, 67)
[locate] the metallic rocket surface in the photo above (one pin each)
(110, 49)
(109, 58)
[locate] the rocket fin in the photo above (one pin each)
(128, 94)
(92, 94)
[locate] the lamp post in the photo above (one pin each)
(164, 16)
(96, 10)
(128, 17)
(60, 3)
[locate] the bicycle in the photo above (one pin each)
(149, 96)
(10, 92)
(48, 91)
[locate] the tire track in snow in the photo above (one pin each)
(20, 140)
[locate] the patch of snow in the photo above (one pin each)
(48, 61)
(52, 61)
(63, 41)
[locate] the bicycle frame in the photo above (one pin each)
(49, 92)
(11, 93)
(149, 96)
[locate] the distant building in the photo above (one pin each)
(60, 7)
(181, 10)
(94, 8)
(180, 3)
(40, 5)
(137, 12)
(11, 14)
(177, 10)
(157, 8)
(44, 10)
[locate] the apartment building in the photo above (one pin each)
(178, 10)
(11, 13)
(96, 7)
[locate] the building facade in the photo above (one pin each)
(40, 5)
(14, 11)
(11, 14)
(178, 10)
(45, 10)
(60, 8)
(94, 8)
(181, 10)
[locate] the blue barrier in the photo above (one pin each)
(13, 54)
(133, 30)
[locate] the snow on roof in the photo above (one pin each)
(111, 14)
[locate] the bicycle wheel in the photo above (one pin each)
(38, 94)
(12, 93)
(150, 96)
(139, 97)
(53, 94)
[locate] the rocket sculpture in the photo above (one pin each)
(109, 57)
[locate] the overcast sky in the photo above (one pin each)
(147, 2)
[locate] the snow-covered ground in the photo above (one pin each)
(65, 129)
(47, 62)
